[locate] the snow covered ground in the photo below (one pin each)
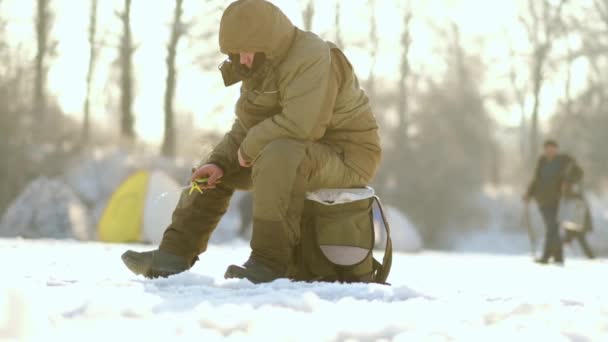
(76, 291)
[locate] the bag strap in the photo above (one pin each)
(383, 269)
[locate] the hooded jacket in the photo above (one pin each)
(305, 90)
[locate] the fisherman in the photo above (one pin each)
(302, 123)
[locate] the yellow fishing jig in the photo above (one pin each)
(195, 185)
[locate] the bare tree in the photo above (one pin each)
(127, 49)
(308, 15)
(86, 124)
(203, 35)
(3, 44)
(458, 52)
(177, 31)
(567, 103)
(44, 48)
(601, 6)
(452, 146)
(15, 137)
(581, 121)
(337, 24)
(519, 93)
(568, 84)
(398, 149)
(373, 37)
(542, 24)
(405, 70)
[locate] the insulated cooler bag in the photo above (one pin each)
(337, 238)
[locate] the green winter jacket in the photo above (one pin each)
(305, 90)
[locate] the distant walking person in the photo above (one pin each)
(554, 177)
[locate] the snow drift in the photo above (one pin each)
(404, 234)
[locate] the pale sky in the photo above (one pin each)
(202, 93)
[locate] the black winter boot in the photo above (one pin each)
(253, 270)
(156, 263)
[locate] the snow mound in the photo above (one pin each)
(404, 234)
(47, 208)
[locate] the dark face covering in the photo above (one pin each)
(244, 70)
(233, 71)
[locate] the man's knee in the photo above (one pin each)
(281, 153)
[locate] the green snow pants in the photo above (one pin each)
(281, 175)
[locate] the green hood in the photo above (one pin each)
(255, 26)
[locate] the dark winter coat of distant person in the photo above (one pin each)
(557, 175)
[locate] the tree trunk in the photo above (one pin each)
(403, 103)
(308, 15)
(126, 80)
(542, 30)
(373, 36)
(169, 143)
(537, 83)
(337, 20)
(43, 23)
(86, 124)
(601, 7)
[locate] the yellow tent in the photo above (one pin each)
(140, 208)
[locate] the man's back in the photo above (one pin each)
(306, 89)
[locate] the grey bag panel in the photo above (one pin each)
(344, 232)
(345, 255)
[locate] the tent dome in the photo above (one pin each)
(47, 208)
(140, 209)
